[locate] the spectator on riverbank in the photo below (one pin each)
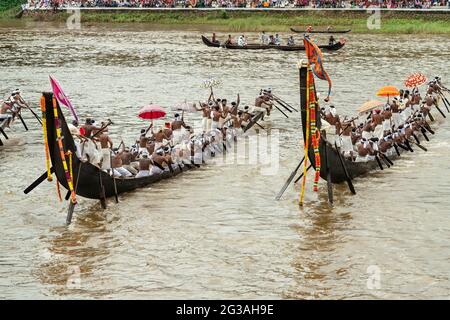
(390, 4)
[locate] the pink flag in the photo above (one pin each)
(62, 98)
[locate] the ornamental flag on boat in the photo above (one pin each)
(315, 58)
(62, 98)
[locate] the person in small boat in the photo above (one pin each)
(144, 166)
(117, 166)
(263, 38)
(241, 41)
(291, 41)
(309, 29)
(271, 40)
(229, 41)
(213, 39)
(106, 145)
(277, 40)
(331, 40)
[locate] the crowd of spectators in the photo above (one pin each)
(417, 4)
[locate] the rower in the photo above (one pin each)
(158, 160)
(386, 115)
(241, 41)
(89, 147)
(263, 39)
(229, 40)
(143, 141)
(346, 139)
(395, 110)
(291, 41)
(271, 40)
(385, 145)
(377, 123)
(6, 112)
(160, 137)
(144, 166)
(177, 125)
(364, 150)
(245, 117)
(106, 146)
(127, 159)
(367, 129)
(117, 166)
(331, 40)
(237, 124)
(277, 40)
(332, 118)
(263, 104)
(215, 115)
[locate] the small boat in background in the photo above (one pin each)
(334, 47)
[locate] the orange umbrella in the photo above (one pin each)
(369, 105)
(387, 91)
(415, 80)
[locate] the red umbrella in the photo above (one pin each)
(415, 80)
(151, 112)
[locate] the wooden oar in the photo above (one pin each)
(113, 178)
(278, 98)
(329, 183)
(279, 103)
(444, 99)
(23, 121)
(281, 111)
(301, 176)
(387, 159)
(440, 111)
(430, 116)
(70, 212)
(347, 176)
(289, 180)
(416, 138)
(424, 134)
(35, 115)
(419, 145)
(396, 149)
(384, 160)
(38, 181)
(379, 162)
(4, 133)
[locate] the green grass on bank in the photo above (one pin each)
(272, 21)
(9, 8)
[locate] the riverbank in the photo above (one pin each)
(397, 21)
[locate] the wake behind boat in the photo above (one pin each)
(330, 47)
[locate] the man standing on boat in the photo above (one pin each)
(206, 116)
(106, 146)
(89, 148)
(263, 38)
(177, 125)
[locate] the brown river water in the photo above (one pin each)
(217, 232)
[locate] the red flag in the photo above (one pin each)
(315, 57)
(62, 98)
